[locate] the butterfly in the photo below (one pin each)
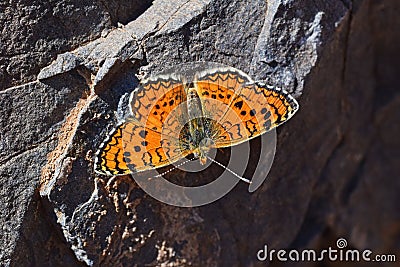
(172, 117)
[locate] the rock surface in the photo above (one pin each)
(335, 174)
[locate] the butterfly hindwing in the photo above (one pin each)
(131, 148)
(109, 158)
(266, 108)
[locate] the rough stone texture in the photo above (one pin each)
(337, 162)
(31, 116)
(33, 32)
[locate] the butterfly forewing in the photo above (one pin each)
(245, 109)
(148, 138)
(155, 98)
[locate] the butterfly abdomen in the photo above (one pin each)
(195, 117)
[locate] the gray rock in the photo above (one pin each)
(33, 33)
(31, 118)
(335, 169)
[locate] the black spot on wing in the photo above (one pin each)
(239, 104)
(143, 133)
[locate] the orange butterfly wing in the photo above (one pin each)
(109, 158)
(149, 138)
(239, 108)
(243, 108)
(131, 148)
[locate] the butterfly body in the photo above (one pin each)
(171, 118)
(201, 129)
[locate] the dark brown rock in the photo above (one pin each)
(337, 161)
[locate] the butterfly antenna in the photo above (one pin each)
(173, 168)
(229, 170)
